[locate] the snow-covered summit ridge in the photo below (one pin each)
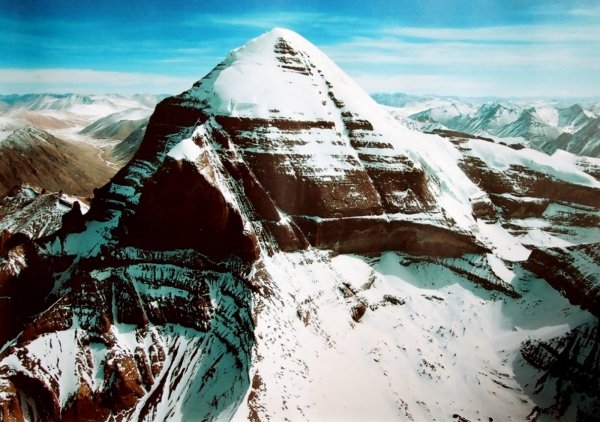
(250, 81)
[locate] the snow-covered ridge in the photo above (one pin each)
(250, 83)
(547, 125)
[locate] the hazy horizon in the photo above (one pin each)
(436, 47)
(590, 98)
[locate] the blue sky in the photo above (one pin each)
(447, 47)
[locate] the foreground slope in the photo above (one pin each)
(279, 248)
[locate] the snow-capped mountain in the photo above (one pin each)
(69, 116)
(74, 134)
(93, 105)
(280, 247)
(118, 126)
(586, 140)
(543, 125)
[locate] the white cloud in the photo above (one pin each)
(88, 81)
(587, 12)
(258, 21)
(399, 52)
(510, 60)
(514, 33)
(267, 21)
(475, 85)
(423, 84)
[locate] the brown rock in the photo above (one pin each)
(73, 221)
(560, 269)
(372, 235)
(206, 223)
(126, 388)
(23, 294)
(10, 407)
(85, 406)
(358, 311)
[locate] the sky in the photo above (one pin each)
(502, 48)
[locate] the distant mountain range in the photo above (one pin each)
(104, 131)
(547, 125)
(68, 142)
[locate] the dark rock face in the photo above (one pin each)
(290, 179)
(170, 116)
(25, 281)
(172, 215)
(4, 239)
(519, 207)
(73, 221)
(573, 271)
(370, 236)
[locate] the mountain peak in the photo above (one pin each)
(271, 38)
(287, 34)
(252, 78)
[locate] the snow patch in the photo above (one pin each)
(185, 150)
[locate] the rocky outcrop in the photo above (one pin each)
(526, 182)
(373, 235)
(35, 212)
(569, 367)
(574, 271)
(206, 223)
(26, 214)
(141, 297)
(518, 206)
(25, 281)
